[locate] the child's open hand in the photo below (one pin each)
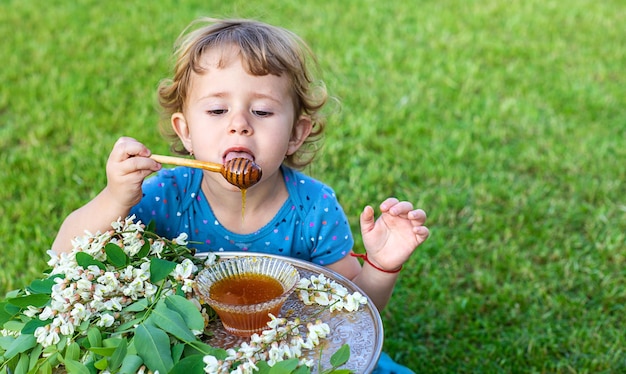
(128, 165)
(391, 239)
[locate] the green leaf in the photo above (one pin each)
(21, 344)
(31, 326)
(22, 364)
(45, 368)
(95, 337)
(36, 300)
(177, 352)
(131, 364)
(101, 364)
(151, 226)
(75, 367)
(282, 367)
(7, 312)
(6, 341)
(130, 325)
(85, 260)
(144, 251)
(303, 370)
(159, 269)
(34, 356)
(153, 346)
(116, 255)
(264, 367)
(137, 306)
(44, 285)
(118, 356)
(72, 352)
(341, 356)
(190, 313)
(103, 351)
(189, 364)
(171, 322)
(199, 347)
(112, 342)
(14, 325)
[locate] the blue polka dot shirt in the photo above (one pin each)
(311, 225)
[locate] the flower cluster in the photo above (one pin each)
(327, 292)
(122, 295)
(100, 292)
(282, 341)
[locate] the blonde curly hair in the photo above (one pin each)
(264, 49)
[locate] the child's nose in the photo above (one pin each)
(239, 124)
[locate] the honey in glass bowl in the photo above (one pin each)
(244, 290)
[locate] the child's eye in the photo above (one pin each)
(261, 113)
(216, 112)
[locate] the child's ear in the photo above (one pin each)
(301, 130)
(179, 124)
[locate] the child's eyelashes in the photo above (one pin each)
(216, 112)
(257, 113)
(262, 113)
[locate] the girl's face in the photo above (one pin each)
(230, 113)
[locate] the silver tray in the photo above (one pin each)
(362, 330)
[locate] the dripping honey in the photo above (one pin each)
(243, 203)
(246, 289)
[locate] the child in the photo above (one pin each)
(243, 89)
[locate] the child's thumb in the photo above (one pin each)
(367, 219)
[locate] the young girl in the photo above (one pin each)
(242, 88)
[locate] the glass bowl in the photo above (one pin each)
(243, 291)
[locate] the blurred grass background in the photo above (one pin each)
(505, 121)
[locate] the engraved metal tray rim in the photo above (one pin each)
(373, 321)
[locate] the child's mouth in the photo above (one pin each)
(231, 154)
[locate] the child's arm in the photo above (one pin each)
(389, 242)
(127, 166)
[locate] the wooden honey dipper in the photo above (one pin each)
(239, 172)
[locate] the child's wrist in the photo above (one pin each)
(367, 260)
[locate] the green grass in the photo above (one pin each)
(505, 121)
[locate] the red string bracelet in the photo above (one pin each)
(364, 257)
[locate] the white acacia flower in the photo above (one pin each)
(181, 239)
(114, 304)
(106, 320)
(55, 258)
(317, 331)
(5, 332)
(80, 312)
(32, 311)
(46, 336)
(212, 365)
(322, 298)
(66, 293)
(64, 324)
(83, 285)
(249, 367)
(134, 289)
(109, 282)
(306, 362)
(184, 270)
(275, 322)
(47, 313)
(187, 286)
(126, 274)
(132, 245)
(149, 290)
(354, 301)
(157, 247)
